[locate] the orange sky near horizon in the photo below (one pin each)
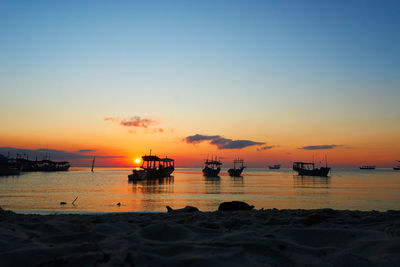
(129, 143)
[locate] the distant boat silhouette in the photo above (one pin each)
(274, 167)
(397, 168)
(212, 168)
(367, 167)
(237, 171)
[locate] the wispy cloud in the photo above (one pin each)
(113, 119)
(319, 147)
(265, 148)
(136, 122)
(221, 142)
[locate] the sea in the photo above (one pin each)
(101, 191)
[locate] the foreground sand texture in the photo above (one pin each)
(243, 238)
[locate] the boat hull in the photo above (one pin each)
(235, 172)
(209, 172)
(323, 171)
(396, 168)
(160, 173)
(138, 175)
(9, 172)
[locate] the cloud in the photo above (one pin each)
(136, 121)
(221, 142)
(113, 119)
(319, 147)
(264, 148)
(54, 154)
(197, 138)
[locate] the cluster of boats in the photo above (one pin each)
(14, 166)
(213, 167)
(155, 167)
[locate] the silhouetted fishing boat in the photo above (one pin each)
(306, 168)
(153, 167)
(397, 168)
(367, 167)
(8, 166)
(212, 167)
(274, 167)
(237, 171)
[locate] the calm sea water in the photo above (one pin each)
(100, 191)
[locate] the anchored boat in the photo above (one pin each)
(307, 168)
(274, 167)
(237, 171)
(8, 166)
(367, 167)
(153, 167)
(397, 168)
(212, 168)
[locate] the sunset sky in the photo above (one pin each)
(268, 81)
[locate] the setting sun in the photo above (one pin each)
(137, 160)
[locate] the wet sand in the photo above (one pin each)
(271, 237)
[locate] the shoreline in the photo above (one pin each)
(319, 237)
(100, 213)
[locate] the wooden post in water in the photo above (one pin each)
(93, 163)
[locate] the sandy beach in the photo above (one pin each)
(272, 237)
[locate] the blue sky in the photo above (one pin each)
(347, 39)
(185, 60)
